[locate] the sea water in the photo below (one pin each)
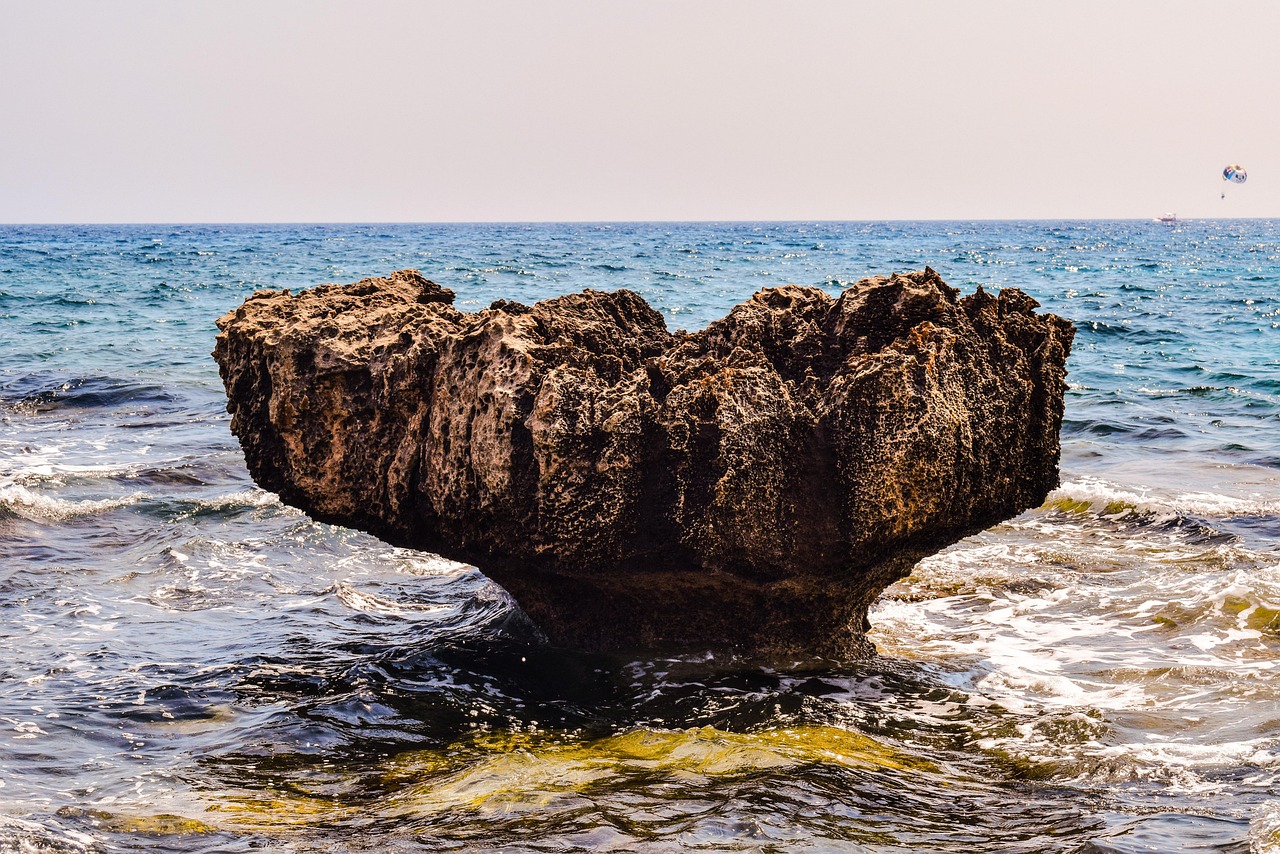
(187, 665)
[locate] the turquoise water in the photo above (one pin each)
(190, 666)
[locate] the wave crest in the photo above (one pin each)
(19, 501)
(1096, 496)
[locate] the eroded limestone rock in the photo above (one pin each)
(752, 486)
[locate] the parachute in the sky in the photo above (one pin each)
(1235, 174)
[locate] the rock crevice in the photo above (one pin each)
(751, 486)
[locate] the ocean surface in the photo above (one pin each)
(187, 665)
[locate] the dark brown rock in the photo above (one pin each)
(752, 486)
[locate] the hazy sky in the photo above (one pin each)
(612, 110)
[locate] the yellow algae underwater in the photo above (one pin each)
(511, 772)
(160, 824)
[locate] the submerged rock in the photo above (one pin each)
(752, 486)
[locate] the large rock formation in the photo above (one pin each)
(751, 486)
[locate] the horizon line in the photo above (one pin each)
(172, 223)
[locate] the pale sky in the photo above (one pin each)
(511, 110)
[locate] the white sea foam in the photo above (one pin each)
(33, 505)
(405, 560)
(1108, 498)
(1264, 829)
(28, 837)
(240, 498)
(1011, 655)
(1185, 766)
(369, 603)
(1052, 617)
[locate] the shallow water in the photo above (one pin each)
(188, 665)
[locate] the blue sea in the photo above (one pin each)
(188, 665)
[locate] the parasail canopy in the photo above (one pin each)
(1235, 174)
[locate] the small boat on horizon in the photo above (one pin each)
(1168, 219)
